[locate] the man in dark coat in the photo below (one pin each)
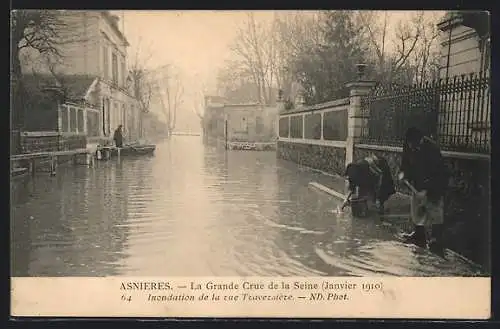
(372, 177)
(118, 136)
(423, 167)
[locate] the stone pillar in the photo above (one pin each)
(355, 120)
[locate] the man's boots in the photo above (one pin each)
(417, 237)
(436, 243)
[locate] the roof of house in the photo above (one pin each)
(109, 17)
(475, 19)
(74, 86)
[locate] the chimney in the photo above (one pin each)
(115, 19)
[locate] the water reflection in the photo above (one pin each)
(193, 210)
(68, 226)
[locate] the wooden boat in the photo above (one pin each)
(127, 150)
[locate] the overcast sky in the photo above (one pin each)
(195, 41)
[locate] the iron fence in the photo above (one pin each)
(454, 111)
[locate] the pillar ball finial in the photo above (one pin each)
(361, 70)
(280, 95)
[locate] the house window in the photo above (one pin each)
(108, 116)
(130, 118)
(80, 121)
(124, 116)
(259, 125)
(73, 120)
(105, 58)
(65, 118)
(241, 125)
(114, 64)
(124, 72)
(116, 115)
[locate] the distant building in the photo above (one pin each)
(241, 122)
(251, 123)
(93, 77)
(465, 43)
(466, 50)
(213, 117)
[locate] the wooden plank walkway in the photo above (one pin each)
(53, 157)
(18, 172)
(48, 154)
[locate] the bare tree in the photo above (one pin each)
(199, 100)
(170, 91)
(425, 58)
(44, 32)
(141, 78)
(254, 46)
(407, 35)
(296, 33)
(376, 36)
(231, 76)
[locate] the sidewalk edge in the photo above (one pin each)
(342, 196)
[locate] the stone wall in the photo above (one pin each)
(467, 202)
(464, 50)
(322, 157)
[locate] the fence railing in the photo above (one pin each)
(326, 121)
(455, 111)
(33, 142)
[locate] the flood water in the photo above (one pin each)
(195, 210)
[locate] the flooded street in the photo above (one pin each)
(194, 210)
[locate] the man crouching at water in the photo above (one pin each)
(372, 178)
(423, 167)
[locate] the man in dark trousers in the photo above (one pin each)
(423, 167)
(118, 136)
(372, 178)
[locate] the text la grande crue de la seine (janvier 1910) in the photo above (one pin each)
(244, 291)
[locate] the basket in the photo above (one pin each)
(359, 207)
